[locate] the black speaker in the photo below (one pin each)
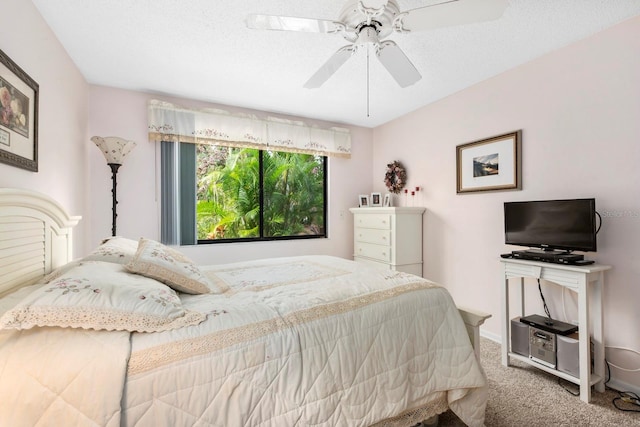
(519, 337)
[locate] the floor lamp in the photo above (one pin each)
(114, 150)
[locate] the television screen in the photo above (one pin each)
(568, 225)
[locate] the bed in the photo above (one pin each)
(134, 334)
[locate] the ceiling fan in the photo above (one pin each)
(365, 23)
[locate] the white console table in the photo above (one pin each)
(587, 282)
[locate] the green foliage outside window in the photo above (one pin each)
(228, 196)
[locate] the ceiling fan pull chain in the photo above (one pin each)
(367, 82)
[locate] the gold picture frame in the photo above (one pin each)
(18, 116)
(490, 164)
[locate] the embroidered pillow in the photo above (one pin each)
(60, 271)
(117, 249)
(101, 296)
(160, 262)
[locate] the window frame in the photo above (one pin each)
(262, 238)
(175, 167)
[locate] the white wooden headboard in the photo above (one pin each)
(35, 237)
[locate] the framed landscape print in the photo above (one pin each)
(490, 164)
(18, 116)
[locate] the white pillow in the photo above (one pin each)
(160, 262)
(100, 295)
(119, 250)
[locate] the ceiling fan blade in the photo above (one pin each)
(290, 23)
(329, 67)
(397, 64)
(451, 13)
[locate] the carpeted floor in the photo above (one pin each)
(522, 395)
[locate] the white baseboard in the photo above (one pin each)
(490, 336)
(622, 386)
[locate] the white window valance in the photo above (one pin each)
(169, 122)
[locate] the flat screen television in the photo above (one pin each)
(552, 225)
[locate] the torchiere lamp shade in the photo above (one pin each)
(113, 148)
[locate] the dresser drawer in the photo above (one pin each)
(369, 250)
(380, 221)
(372, 235)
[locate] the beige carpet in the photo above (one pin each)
(522, 395)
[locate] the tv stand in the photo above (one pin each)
(587, 282)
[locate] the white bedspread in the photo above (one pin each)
(308, 341)
(62, 377)
(304, 341)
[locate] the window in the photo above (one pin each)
(230, 194)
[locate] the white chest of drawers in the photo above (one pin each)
(389, 237)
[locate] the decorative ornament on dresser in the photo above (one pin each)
(396, 177)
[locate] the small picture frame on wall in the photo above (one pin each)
(363, 201)
(490, 164)
(387, 200)
(376, 199)
(18, 116)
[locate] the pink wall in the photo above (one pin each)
(62, 141)
(123, 113)
(579, 111)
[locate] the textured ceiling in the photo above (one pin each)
(202, 50)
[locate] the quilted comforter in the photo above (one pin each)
(304, 341)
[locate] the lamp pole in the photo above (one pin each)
(114, 172)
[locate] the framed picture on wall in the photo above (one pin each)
(363, 200)
(18, 116)
(490, 164)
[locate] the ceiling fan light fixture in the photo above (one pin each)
(368, 35)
